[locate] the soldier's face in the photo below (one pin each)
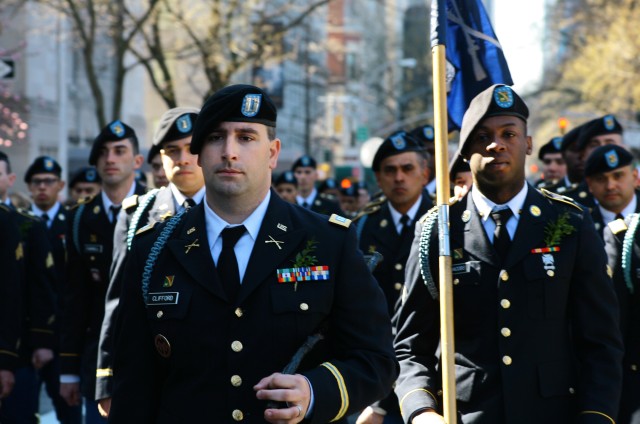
(497, 150)
(181, 166)
(157, 172)
(287, 191)
(117, 162)
(84, 189)
(237, 159)
(553, 166)
(575, 165)
(600, 140)
(44, 189)
(614, 189)
(402, 178)
(306, 177)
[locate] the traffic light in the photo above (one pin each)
(563, 123)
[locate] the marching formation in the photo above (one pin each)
(230, 294)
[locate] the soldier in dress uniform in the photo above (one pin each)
(554, 168)
(154, 159)
(460, 177)
(401, 170)
(186, 189)
(43, 178)
(611, 178)
(200, 342)
(348, 200)
(85, 183)
(37, 338)
(622, 242)
(572, 156)
(426, 135)
(330, 188)
(286, 185)
(536, 324)
(11, 263)
(115, 154)
(304, 169)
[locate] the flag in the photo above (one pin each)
(475, 59)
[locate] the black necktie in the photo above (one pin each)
(406, 228)
(228, 263)
(45, 218)
(114, 212)
(305, 205)
(501, 239)
(188, 203)
(619, 216)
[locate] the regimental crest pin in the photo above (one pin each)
(96, 210)
(251, 105)
(612, 158)
(398, 141)
(535, 211)
(466, 216)
(503, 96)
(184, 124)
(117, 128)
(168, 281)
(609, 123)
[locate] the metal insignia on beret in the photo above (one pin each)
(612, 158)
(535, 210)
(117, 128)
(503, 96)
(466, 216)
(251, 105)
(184, 124)
(48, 164)
(428, 133)
(305, 161)
(557, 142)
(398, 141)
(609, 123)
(91, 175)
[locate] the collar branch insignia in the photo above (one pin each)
(276, 242)
(189, 246)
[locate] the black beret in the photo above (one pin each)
(396, 143)
(607, 158)
(424, 133)
(304, 162)
(571, 137)
(552, 146)
(458, 164)
(328, 184)
(41, 165)
(235, 103)
(153, 151)
(86, 175)
(607, 124)
(497, 100)
(286, 177)
(175, 124)
(113, 131)
(351, 191)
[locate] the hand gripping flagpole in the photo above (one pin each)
(438, 42)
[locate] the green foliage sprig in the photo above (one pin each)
(305, 258)
(555, 231)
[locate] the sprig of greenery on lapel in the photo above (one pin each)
(556, 230)
(305, 258)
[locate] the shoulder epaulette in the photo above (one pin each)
(85, 200)
(560, 198)
(146, 228)
(5, 207)
(27, 213)
(371, 207)
(339, 220)
(617, 226)
(130, 203)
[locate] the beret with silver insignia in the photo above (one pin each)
(552, 146)
(234, 103)
(175, 124)
(85, 175)
(305, 161)
(396, 143)
(113, 131)
(286, 177)
(607, 158)
(43, 165)
(604, 125)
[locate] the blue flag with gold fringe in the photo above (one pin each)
(475, 59)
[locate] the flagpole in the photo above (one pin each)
(447, 347)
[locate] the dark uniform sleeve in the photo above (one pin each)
(364, 368)
(11, 261)
(596, 333)
(104, 371)
(74, 310)
(41, 280)
(417, 339)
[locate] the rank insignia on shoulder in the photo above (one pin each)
(130, 202)
(85, 200)
(340, 220)
(617, 226)
(560, 198)
(146, 228)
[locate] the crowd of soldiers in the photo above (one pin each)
(228, 294)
